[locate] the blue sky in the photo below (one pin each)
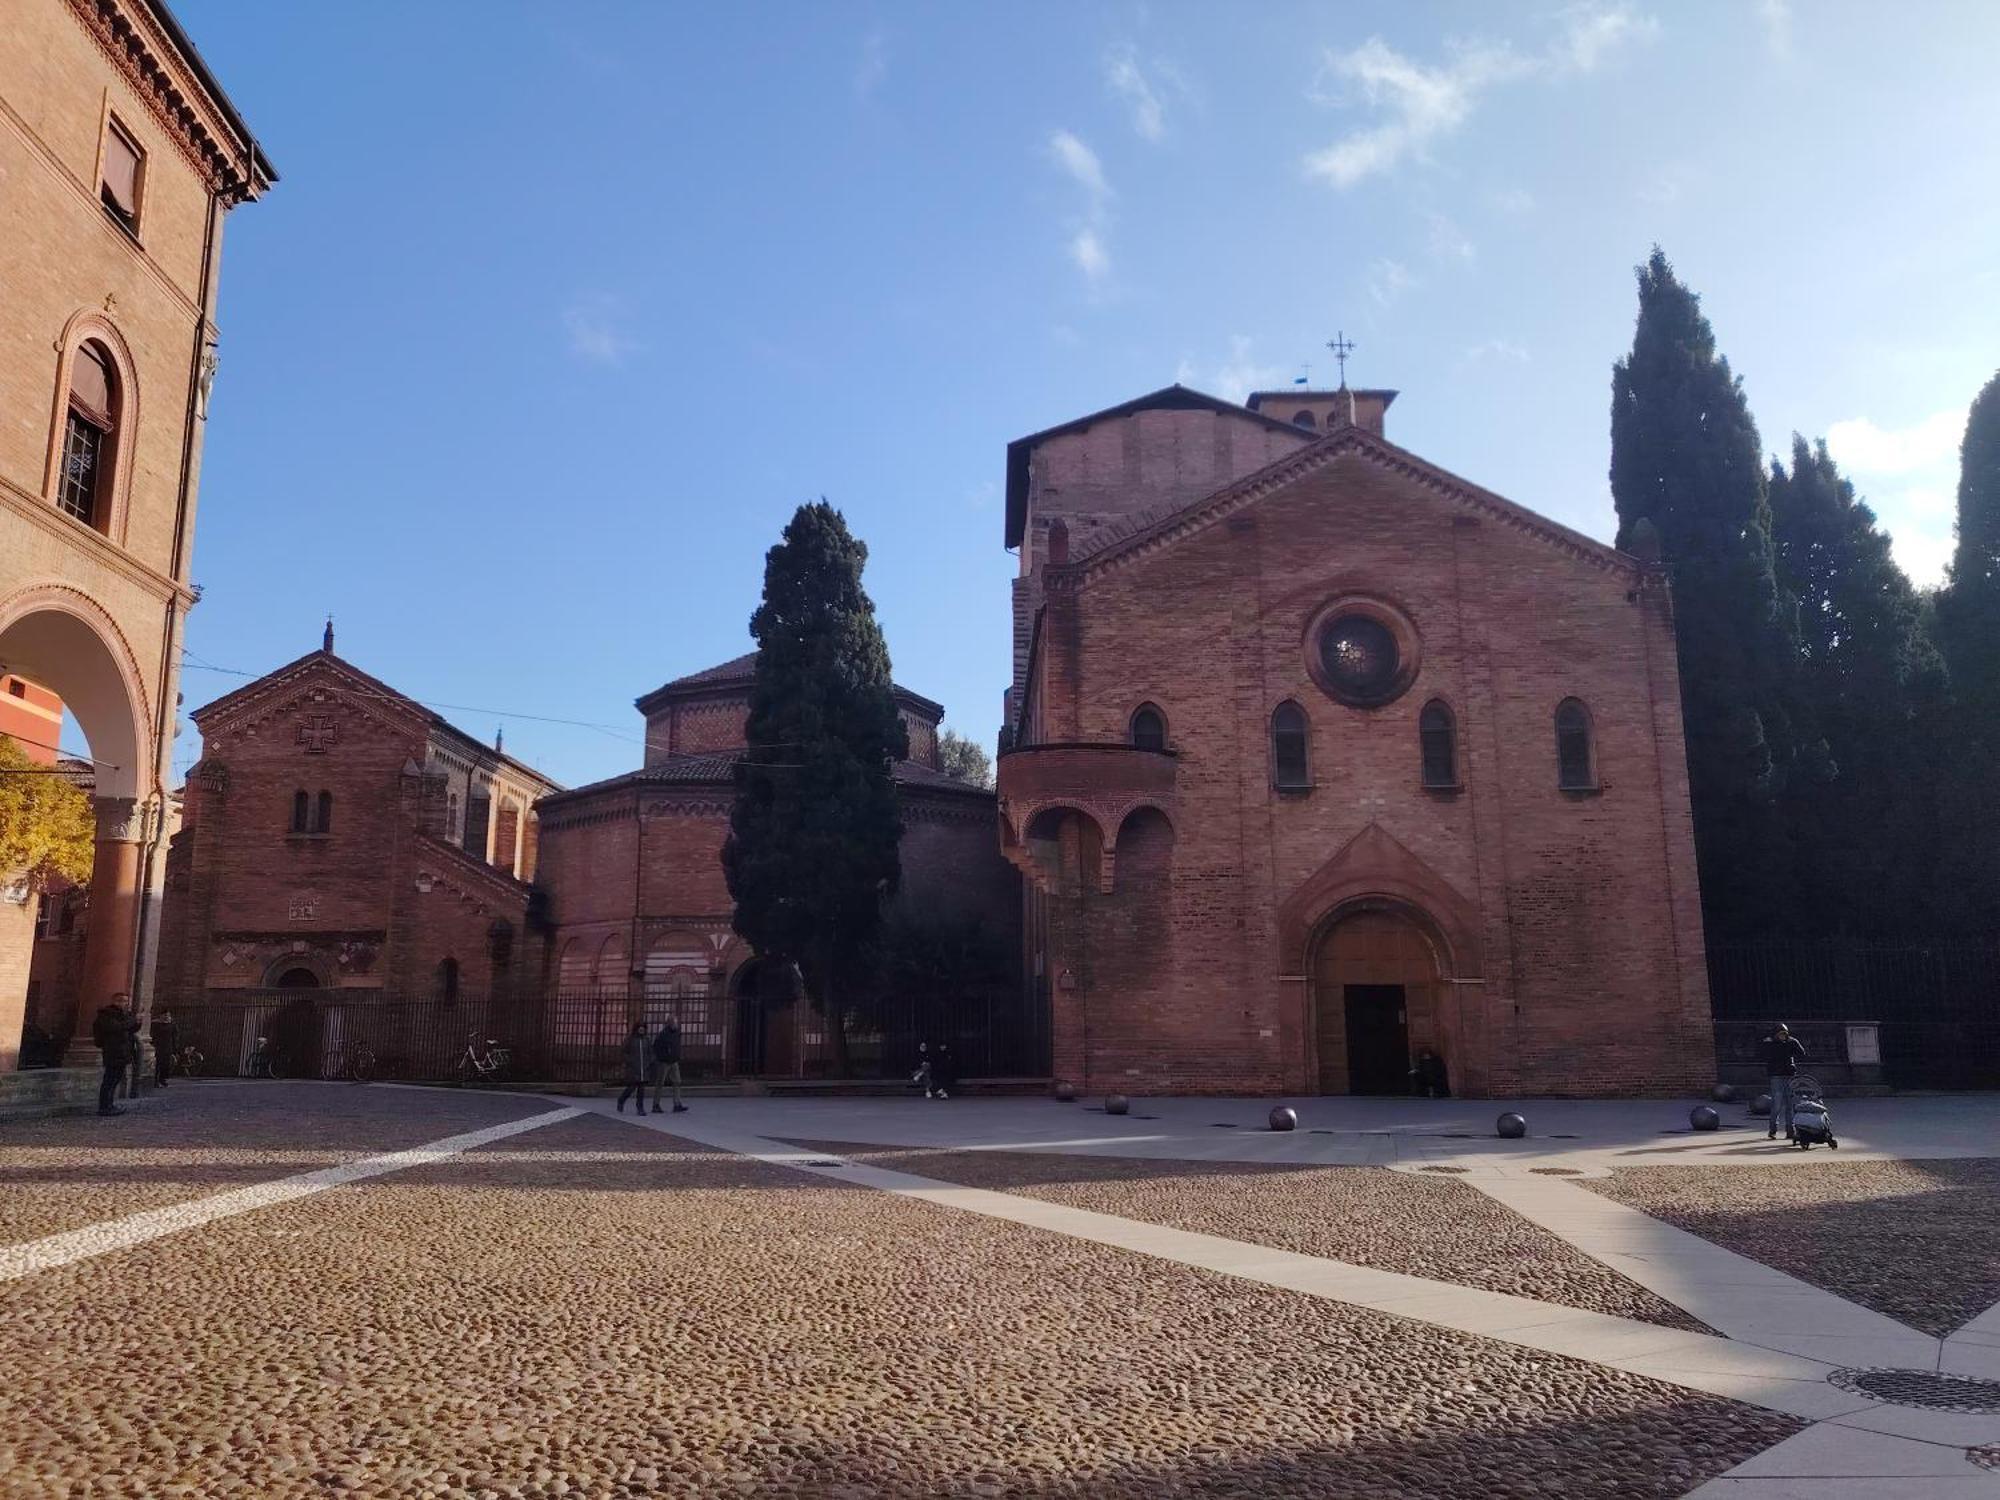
(559, 311)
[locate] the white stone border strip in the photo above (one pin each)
(108, 1235)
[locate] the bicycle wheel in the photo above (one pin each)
(362, 1066)
(273, 1069)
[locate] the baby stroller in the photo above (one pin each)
(1811, 1123)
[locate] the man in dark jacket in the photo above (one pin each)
(667, 1064)
(116, 1032)
(1782, 1056)
(166, 1044)
(637, 1066)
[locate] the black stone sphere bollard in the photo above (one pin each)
(1511, 1126)
(1116, 1104)
(1761, 1105)
(1722, 1093)
(1704, 1117)
(1284, 1117)
(1065, 1091)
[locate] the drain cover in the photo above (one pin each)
(1444, 1169)
(1922, 1388)
(1555, 1171)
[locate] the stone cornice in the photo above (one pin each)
(154, 66)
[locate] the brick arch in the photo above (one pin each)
(60, 637)
(1374, 868)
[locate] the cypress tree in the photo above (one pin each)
(1873, 683)
(1685, 457)
(1968, 610)
(812, 849)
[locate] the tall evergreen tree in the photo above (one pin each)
(1685, 457)
(1968, 610)
(812, 849)
(1866, 841)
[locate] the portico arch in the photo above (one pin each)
(57, 637)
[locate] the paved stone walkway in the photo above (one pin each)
(423, 1283)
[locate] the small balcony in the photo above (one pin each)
(1101, 784)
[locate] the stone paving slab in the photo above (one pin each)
(199, 1138)
(1432, 1227)
(1918, 1241)
(594, 1310)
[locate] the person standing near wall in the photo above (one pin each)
(1782, 1056)
(116, 1032)
(667, 1064)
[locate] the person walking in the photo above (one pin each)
(115, 1030)
(166, 1045)
(944, 1071)
(1782, 1056)
(667, 1064)
(637, 1065)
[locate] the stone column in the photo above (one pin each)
(113, 918)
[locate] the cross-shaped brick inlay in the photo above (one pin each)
(317, 734)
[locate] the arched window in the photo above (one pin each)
(301, 813)
(1438, 734)
(1290, 764)
(1305, 419)
(451, 816)
(324, 822)
(1576, 764)
(1149, 729)
(447, 980)
(90, 437)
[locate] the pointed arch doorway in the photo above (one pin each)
(1377, 986)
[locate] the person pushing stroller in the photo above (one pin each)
(1782, 1056)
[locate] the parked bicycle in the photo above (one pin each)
(264, 1061)
(482, 1065)
(186, 1062)
(355, 1064)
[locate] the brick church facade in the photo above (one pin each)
(1318, 757)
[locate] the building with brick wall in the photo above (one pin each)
(1318, 758)
(639, 907)
(119, 157)
(338, 836)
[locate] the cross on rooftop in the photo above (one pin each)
(1342, 346)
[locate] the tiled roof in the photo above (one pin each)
(719, 769)
(742, 671)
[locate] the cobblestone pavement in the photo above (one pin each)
(201, 1138)
(1368, 1216)
(1917, 1240)
(593, 1309)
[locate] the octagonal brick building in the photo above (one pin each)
(1318, 757)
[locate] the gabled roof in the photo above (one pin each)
(1147, 534)
(1175, 397)
(372, 687)
(741, 671)
(718, 768)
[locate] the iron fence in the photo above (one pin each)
(1937, 1006)
(578, 1035)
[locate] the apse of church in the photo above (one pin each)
(1319, 759)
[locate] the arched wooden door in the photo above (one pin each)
(1376, 989)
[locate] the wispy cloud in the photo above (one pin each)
(873, 65)
(1515, 201)
(1668, 184)
(1777, 18)
(1493, 351)
(1143, 88)
(1420, 104)
(1080, 162)
(1237, 375)
(1914, 474)
(1448, 242)
(1087, 246)
(1387, 281)
(598, 329)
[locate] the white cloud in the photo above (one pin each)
(596, 325)
(1129, 83)
(1236, 376)
(1087, 247)
(1088, 251)
(1499, 351)
(1448, 242)
(1080, 162)
(1515, 201)
(1422, 104)
(1388, 280)
(1777, 18)
(1920, 504)
(874, 64)
(1860, 446)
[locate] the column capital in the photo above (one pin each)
(119, 820)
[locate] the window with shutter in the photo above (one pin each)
(120, 188)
